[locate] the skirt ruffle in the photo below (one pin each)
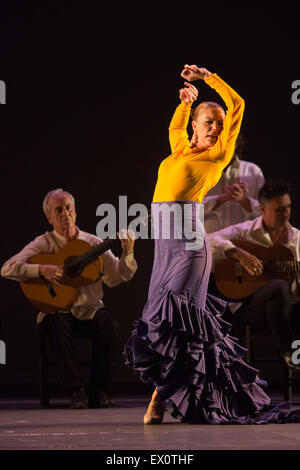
(197, 367)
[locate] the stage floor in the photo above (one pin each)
(24, 425)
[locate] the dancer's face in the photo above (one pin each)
(208, 126)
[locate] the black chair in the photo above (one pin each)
(251, 339)
(48, 359)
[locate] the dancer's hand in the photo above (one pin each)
(188, 94)
(192, 73)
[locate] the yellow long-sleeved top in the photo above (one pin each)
(188, 174)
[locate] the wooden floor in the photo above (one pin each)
(24, 425)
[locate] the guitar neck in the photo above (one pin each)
(98, 250)
(80, 262)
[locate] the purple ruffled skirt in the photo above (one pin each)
(181, 345)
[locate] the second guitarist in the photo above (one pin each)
(275, 306)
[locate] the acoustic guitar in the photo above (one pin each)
(234, 282)
(82, 265)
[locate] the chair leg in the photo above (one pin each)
(289, 380)
(44, 383)
(288, 391)
(44, 367)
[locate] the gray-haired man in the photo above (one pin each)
(88, 315)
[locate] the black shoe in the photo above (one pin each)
(79, 399)
(101, 400)
(104, 401)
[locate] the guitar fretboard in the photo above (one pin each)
(81, 261)
(287, 266)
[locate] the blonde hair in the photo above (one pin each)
(195, 113)
(52, 193)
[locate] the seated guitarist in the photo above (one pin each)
(275, 305)
(88, 315)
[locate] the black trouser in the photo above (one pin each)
(271, 307)
(60, 328)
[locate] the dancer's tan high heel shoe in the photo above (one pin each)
(155, 410)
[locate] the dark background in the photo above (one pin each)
(90, 93)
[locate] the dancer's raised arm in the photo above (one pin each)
(178, 135)
(223, 147)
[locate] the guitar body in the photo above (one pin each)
(38, 293)
(234, 282)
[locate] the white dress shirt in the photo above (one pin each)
(231, 212)
(254, 231)
(89, 298)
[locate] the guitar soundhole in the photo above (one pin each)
(72, 268)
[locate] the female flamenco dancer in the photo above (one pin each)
(181, 345)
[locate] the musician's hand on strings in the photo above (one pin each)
(127, 238)
(51, 272)
(189, 94)
(192, 73)
(253, 265)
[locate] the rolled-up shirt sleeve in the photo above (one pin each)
(219, 246)
(118, 270)
(17, 268)
(220, 241)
